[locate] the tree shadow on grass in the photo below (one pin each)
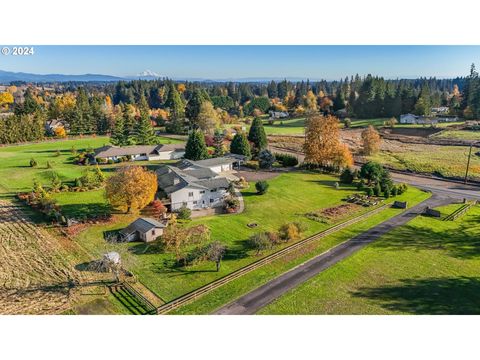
(459, 242)
(91, 210)
(432, 296)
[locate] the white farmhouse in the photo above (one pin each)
(141, 152)
(197, 184)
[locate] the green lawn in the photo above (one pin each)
(280, 205)
(365, 122)
(280, 127)
(236, 288)
(427, 266)
(16, 175)
(458, 135)
(447, 161)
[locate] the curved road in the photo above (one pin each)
(443, 193)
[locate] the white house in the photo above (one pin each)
(278, 114)
(194, 188)
(141, 152)
(418, 119)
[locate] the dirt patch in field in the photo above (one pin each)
(35, 276)
(333, 214)
(257, 175)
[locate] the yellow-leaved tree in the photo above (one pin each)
(6, 99)
(371, 141)
(131, 188)
(322, 143)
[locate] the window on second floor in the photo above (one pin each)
(190, 194)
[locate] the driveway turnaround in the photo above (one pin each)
(258, 298)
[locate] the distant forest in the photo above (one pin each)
(104, 108)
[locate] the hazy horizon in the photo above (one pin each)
(248, 62)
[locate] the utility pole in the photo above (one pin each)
(468, 163)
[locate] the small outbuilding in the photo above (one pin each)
(142, 229)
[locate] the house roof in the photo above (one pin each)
(209, 163)
(142, 225)
(108, 151)
(171, 179)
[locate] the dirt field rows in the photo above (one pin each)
(34, 276)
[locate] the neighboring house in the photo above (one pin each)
(52, 125)
(278, 114)
(218, 165)
(418, 119)
(193, 186)
(142, 229)
(142, 152)
(441, 110)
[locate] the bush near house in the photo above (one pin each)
(262, 187)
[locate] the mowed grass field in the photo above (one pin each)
(446, 161)
(458, 135)
(428, 266)
(236, 288)
(289, 197)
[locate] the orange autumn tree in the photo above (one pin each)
(370, 141)
(322, 143)
(131, 188)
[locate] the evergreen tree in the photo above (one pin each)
(144, 133)
(196, 149)
(117, 138)
(257, 135)
(240, 145)
(192, 109)
(175, 103)
(218, 144)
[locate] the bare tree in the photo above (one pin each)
(215, 252)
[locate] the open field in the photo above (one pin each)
(35, 271)
(458, 135)
(447, 161)
(279, 206)
(229, 292)
(428, 266)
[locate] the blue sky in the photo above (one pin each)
(220, 62)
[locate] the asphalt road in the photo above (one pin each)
(250, 303)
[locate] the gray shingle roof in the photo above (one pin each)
(142, 225)
(171, 179)
(108, 151)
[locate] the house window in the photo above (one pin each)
(153, 232)
(190, 194)
(195, 202)
(213, 190)
(212, 200)
(202, 191)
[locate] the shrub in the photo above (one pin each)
(286, 160)
(369, 191)
(265, 159)
(346, 177)
(395, 191)
(33, 162)
(361, 185)
(386, 192)
(110, 162)
(347, 122)
(252, 164)
(259, 242)
(289, 232)
(377, 190)
(261, 186)
(273, 237)
(184, 213)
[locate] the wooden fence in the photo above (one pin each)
(193, 295)
(460, 211)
